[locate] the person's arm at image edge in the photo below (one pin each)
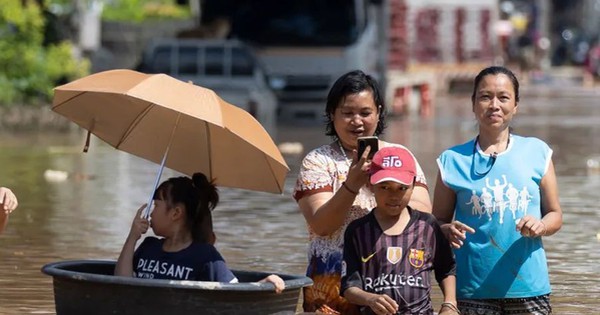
(3, 221)
(8, 203)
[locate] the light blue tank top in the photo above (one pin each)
(496, 261)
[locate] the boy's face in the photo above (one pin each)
(391, 197)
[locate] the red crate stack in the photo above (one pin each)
(484, 29)
(460, 14)
(426, 44)
(398, 35)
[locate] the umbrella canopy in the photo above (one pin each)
(148, 115)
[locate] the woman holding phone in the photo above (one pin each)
(330, 189)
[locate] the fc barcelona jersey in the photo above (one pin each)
(397, 265)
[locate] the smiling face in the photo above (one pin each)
(391, 197)
(357, 115)
(494, 102)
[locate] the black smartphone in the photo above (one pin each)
(364, 142)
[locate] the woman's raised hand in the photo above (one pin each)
(456, 232)
(358, 174)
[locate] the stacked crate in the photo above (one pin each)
(398, 36)
(439, 31)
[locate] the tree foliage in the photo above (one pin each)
(28, 69)
(143, 10)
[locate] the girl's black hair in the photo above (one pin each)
(494, 70)
(351, 83)
(199, 196)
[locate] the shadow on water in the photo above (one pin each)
(88, 217)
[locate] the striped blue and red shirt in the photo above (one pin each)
(397, 265)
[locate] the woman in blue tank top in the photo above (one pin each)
(497, 196)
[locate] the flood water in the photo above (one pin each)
(87, 216)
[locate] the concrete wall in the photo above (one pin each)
(123, 43)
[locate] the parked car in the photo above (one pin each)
(226, 66)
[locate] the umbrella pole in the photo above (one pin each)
(146, 213)
(160, 170)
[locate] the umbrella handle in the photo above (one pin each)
(146, 213)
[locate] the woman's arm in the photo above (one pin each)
(325, 212)
(551, 210)
(420, 199)
(139, 226)
(444, 201)
(3, 220)
(551, 220)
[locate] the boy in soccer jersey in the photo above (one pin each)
(389, 253)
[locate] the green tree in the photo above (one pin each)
(28, 69)
(143, 10)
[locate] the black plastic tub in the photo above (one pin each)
(89, 287)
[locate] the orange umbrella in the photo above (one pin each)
(185, 127)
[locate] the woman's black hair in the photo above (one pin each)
(199, 196)
(351, 83)
(494, 70)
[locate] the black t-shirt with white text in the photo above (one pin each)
(198, 262)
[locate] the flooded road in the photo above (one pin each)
(87, 216)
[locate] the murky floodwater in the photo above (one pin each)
(88, 215)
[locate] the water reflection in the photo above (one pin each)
(88, 217)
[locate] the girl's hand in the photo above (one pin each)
(276, 281)
(139, 226)
(529, 226)
(382, 304)
(456, 232)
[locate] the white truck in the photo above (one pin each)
(306, 44)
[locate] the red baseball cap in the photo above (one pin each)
(394, 164)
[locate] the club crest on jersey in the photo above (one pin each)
(394, 254)
(416, 257)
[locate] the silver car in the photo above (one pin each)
(226, 66)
